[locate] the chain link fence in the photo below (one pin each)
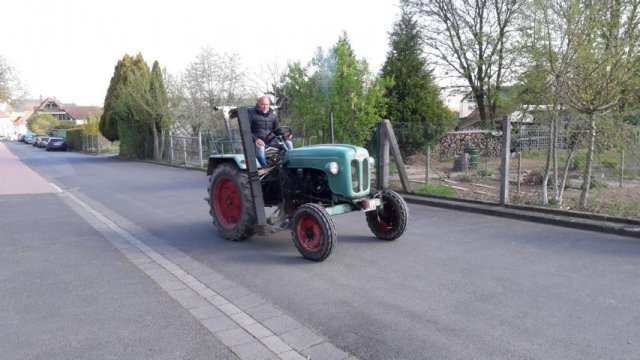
(187, 150)
(97, 144)
(466, 165)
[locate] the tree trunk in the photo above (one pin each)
(565, 173)
(586, 183)
(482, 111)
(547, 165)
(163, 132)
(547, 169)
(155, 142)
(554, 156)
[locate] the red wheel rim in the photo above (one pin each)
(309, 232)
(386, 218)
(227, 203)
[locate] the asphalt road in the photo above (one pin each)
(455, 286)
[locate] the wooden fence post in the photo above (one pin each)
(505, 152)
(393, 143)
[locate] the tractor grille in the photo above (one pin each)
(365, 175)
(355, 176)
(360, 175)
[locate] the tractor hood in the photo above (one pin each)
(332, 152)
(354, 170)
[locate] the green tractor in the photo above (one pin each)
(307, 185)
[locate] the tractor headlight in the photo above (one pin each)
(333, 167)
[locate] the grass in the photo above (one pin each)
(485, 172)
(465, 178)
(439, 190)
(112, 148)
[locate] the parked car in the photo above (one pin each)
(29, 139)
(43, 142)
(56, 143)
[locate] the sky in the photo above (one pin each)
(68, 49)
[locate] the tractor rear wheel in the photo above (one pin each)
(313, 232)
(389, 221)
(230, 202)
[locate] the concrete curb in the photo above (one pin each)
(576, 220)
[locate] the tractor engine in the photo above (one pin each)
(327, 174)
(311, 186)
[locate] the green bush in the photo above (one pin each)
(597, 184)
(578, 161)
(74, 139)
(533, 177)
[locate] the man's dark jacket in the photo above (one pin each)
(262, 124)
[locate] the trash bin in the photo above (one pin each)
(473, 157)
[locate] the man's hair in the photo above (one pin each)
(264, 96)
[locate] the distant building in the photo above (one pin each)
(6, 125)
(66, 112)
(20, 125)
(467, 105)
(13, 118)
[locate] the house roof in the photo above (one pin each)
(20, 121)
(74, 111)
(42, 107)
(81, 112)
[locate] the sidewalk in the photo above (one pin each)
(69, 294)
(17, 178)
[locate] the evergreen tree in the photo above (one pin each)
(149, 104)
(113, 109)
(136, 139)
(161, 116)
(413, 96)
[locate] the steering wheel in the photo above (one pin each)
(282, 130)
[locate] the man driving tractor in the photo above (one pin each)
(264, 121)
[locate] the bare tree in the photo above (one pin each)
(270, 81)
(473, 39)
(592, 50)
(211, 80)
(11, 87)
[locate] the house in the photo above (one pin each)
(6, 125)
(80, 113)
(472, 121)
(467, 105)
(66, 112)
(20, 125)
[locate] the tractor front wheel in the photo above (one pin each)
(231, 205)
(313, 232)
(389, 221)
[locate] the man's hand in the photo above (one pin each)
(259, 142)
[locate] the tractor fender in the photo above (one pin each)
(236, 159)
